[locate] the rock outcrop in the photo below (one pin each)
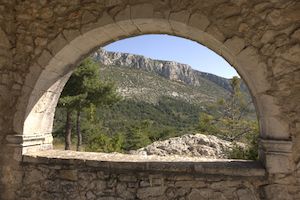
(195, 145)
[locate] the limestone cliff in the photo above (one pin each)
(168, 69)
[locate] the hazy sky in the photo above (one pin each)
(165, 47)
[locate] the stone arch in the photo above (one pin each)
(47, 76)
(42, 41)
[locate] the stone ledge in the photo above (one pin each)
(169, 164)
(29, 140)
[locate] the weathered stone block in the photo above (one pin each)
(147, 192)
(149, 25)
(199, 20)
(277, 192)
(71, 175)
(245, 194)
(190, 184)
(235, 44)
(57, 44)
(142, 11)
(181, 16)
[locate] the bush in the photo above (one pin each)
(249, 152)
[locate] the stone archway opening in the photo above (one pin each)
(166, 100)
(34, 118)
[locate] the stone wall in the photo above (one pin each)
(57, 176)
(42, 41)
(10, 87)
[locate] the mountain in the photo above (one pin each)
(140, 85)
(169, 69)
(208, 87)
(142, 78)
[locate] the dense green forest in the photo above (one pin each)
(168, 118)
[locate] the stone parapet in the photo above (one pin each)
(57, 174)
(174, 164)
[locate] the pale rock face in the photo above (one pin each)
(199, 145)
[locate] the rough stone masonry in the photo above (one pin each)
(42, 41)
(74, 175)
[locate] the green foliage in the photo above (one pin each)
(229, 121)
(101, 142)
(167, 113)
(207, 124)
(84, 90)
(249, 153)
(138, 136)
(139, 123)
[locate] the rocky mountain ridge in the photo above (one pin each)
(140, 85)
(169, 69)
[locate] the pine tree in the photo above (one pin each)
(137, 136)
(83, 90)
(228, 120)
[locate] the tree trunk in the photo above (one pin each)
(68, 130)
(79, 136)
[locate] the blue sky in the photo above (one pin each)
(165, 47)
